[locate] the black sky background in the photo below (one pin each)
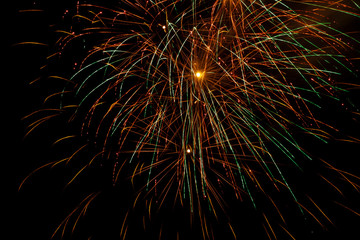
(35, 211)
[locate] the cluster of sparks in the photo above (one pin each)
(200, 95)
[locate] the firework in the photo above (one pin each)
(192, 97)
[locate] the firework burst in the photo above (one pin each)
(194, 97)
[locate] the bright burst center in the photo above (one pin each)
(198, 74)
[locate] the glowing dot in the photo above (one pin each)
(188, 150)
(198, 74)
(163, 26)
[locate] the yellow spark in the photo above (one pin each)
(198, 74)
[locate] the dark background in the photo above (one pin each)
(38, 208)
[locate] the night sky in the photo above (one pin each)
(40, 206)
